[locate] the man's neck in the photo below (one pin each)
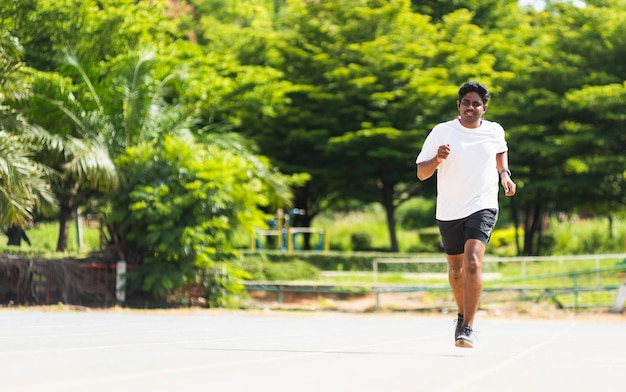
(474, 124)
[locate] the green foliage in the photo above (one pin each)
(180, 205)
(571, 236)
(584, 236)
(416, 213)
(503, 242)
(341, 225)
(24, 186)
(95, 29)
(259, 267)
(342, 91)
(430, 239)
(361, 241)
(43, 237)
(352, 261)
(325, 261)
(222, 284)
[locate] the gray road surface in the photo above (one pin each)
(244, 351)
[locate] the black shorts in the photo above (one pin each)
(477, 226)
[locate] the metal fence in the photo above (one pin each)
(47, 282)
(570, 283)
(564, 287)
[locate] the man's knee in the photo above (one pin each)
(473, 264)
(473, 258)
(455, 265)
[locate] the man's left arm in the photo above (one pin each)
(502, 163)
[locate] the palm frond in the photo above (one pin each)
(91, 164)
(73, 61)
(23, 183)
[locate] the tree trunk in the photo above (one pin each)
(533, 226)
(515, 214)
(306, 222)
(301, 198)
(65, 216)
(390, 212)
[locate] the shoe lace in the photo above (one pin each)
(466, 330)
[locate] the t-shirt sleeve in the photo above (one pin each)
(502, 147)
(429, 149)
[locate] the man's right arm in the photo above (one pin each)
(426, 169)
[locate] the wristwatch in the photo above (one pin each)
(507, 171)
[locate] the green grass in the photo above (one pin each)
(567, 236)
(341, 227)
(537, 278)
(44, 237)
(386, 278)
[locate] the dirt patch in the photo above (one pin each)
(426, 304)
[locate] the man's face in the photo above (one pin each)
(471, 108)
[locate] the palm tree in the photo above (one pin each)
(76, 149)
(95, 123)
(23, 181)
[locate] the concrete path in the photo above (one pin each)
(119, 351)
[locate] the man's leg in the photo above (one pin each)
(472, 279)
(455, 277)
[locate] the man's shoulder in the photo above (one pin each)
(492, 124)
(447, 124)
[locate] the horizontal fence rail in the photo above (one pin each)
(545, 292)
(525, 291)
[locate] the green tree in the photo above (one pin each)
(485, 13)
(569, 77)
(368, 80)
(595, 124)
(24, 186)
(347, 64)
(72, 100)
(96, 30)
(180, 203)
(76, 149)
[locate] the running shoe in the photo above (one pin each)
(466, 339)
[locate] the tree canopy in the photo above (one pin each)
(330, 100)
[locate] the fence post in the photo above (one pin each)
(376, 291)
(574, 277)
(326, 234)
(120, 282)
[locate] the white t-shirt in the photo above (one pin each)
(467, 181)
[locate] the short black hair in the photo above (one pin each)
(472, 86)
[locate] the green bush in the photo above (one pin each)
(181, 203)
(587, 236)
(341, 225)
(416, 213)
(361, 241)
(430, 239)
(502, 242)
(347, 261)
(260, 268)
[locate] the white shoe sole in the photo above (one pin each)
(463, 343)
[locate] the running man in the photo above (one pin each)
(469, 154)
